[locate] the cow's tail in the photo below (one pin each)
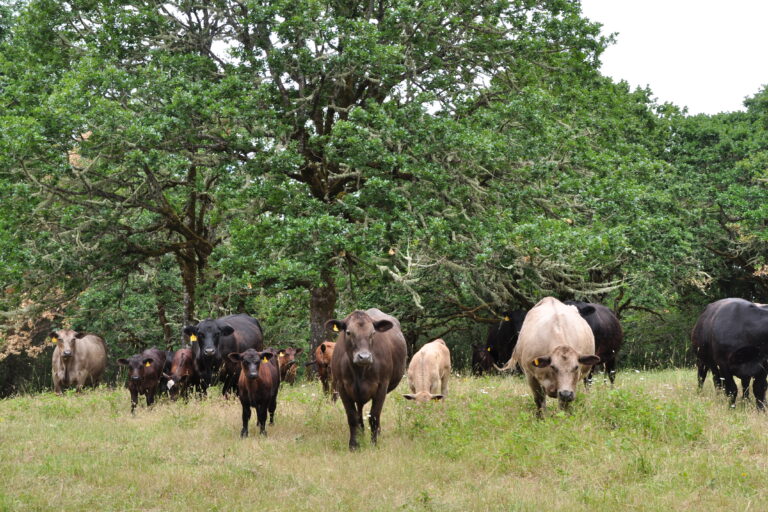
(509, 366)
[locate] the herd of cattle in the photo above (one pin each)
(554, 345)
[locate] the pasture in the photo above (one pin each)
(651, 443)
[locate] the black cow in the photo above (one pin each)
(608, 333)
(482, 362)
(144, 373)
(730, 338)
(213, 340)
(502, 337)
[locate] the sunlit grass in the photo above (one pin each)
(651, 443)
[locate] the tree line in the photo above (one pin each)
(445, 161)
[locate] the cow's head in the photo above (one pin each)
(66, 340)
(251, 361)
(358, 331)
(182, 367)
(207, 334)
(287, 356)
(481, 358)
(422, 397)
(137, 365)
(559, 372)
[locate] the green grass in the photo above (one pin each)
(651, 443)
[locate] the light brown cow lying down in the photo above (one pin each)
(429, 371)
(556, 349)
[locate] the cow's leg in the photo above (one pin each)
(717, 379)
(246, 417)
(759, 385)
(730, 388)
(150, 397)
(261, 416)
(702, 369)
(352, 421)
(539, 396)
(272, 407)
(134, 400)
(610, 368)
(360, 422)
(745, 387)
(444, 383)
(377, 404)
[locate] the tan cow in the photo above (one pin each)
(79, 359)
(556, 349)
(429, 371)
(323, 356)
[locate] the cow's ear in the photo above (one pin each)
(590, 360)
(266, 355)
(227, 330)
(336, 325)
(299, 351)
(542, 362)
(81, 335)
(586, 310)
(235, 357)
(122, 361)
(383, 325)
(744, 355)
(437, 397)
(189, 330)
(410, 397)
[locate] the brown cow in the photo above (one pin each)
(429, 371)
(368, 362)
(323, 357)
(183, 374)
(257, 386)
(286, 360)
(555, 349)
(144, 372)
(79, 359)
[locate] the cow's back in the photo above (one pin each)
(390, 344)
(429, 365)
(731, 324)
(91, 356)
(248, 334)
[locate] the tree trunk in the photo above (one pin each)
(188, 269)
(322, 307)
(165, 326)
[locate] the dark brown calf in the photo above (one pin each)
(323, 357)
(144, 372)
(286, 360)
(368, 362)
(183, 374)
(258, 385)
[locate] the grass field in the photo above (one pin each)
(651, 443)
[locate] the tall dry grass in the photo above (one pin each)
(651, 443)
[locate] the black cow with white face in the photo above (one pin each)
(213, 340)
(730, 338)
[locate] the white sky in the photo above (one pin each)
(707, 55)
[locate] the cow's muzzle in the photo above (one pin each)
(209, 351)
(363, 358)
(135, 378)
(565, 396)
(253, 375)
(67, 354)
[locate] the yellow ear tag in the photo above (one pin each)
(281, 354)
(335, 328)
(54, 340)
(264, 360)
(192, 337)
(147, 364)
(535, 362)
(488, 349)
(506, 318)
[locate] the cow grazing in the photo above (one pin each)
(213, 340)
(730, 338)
(144, 373)
(182, 375)
(555, 349)
(323, 357)
(257, 385)
(286, 360)
(482, 362)
(608, 334)
(428, 372)
(502, 337)
(79, 359)
(368, 362)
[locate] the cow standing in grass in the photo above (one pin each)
(182, 375)
(144, 373)
(79, 359)
(556, 349)
(286, 360)
(429, 371)
(257, 385)
(323, 358)
(368, 362)
(608, 333)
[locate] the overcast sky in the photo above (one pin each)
(707, 55)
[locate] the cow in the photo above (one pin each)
(212, 340)
(323, 357)
(730, 338)
(257, 386)
(428, 372)
(502, 337)
(555, 350)
(182, 374)
(286, 360)
(368, 362)
(163, 387)
(79, 359)
(144, 373)
(608, 334)
(482, 362)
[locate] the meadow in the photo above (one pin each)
(650, 443)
